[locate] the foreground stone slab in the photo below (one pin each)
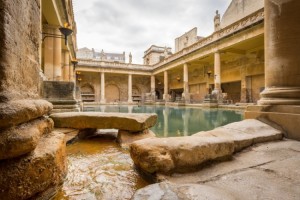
(22, 139)
(178, 154)
(16, 112)
(169, 191)
(27, 176)
(122, 121)
(244, 133)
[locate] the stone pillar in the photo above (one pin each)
(243, 86)
(166, 89)
(166, 121)
(48, 54)
(72, 74)
(129, 88)
(279, 103)
(282, 59)
(102, 84)
(217, 68)
(57, 64)
(66, 66)
(153, 87)
(186, 94)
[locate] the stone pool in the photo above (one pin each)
(179, 121)
(101, 169)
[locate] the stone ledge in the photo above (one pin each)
(27, 176)
(22, 139)
(122, 121)
(180, 154)
(16, 112)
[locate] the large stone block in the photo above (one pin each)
(178, 154)
(16, 112)
(59, 90)
(29, 175)
(22, 139)
(122, 121)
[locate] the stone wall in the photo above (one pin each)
(239, 9)
(32, 157)
(186, 39)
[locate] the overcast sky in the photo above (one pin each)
(134, 25)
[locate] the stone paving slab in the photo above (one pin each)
(264, 171)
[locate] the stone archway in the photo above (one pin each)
(87, 93)
(112, 93)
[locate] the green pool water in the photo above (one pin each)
(178, 121)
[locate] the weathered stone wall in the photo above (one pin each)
(186, 39)
(239, 9)
(19, 41)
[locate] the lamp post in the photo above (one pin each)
(65, 31)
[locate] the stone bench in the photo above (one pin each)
(131, 126)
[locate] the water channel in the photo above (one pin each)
(100, 169)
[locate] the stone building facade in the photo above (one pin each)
(85, 53)
(228, 63)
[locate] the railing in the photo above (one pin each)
(231, 29)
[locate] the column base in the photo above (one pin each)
(286, 117)
(102, 101)
(280, 96)
(166, 97)
(217, 93)
(186, 97)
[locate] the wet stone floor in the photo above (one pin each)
(99, 169)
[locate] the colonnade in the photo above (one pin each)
(57, 62)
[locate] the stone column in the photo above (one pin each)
(48, 55)
(66, 66)
(279, 103)
(186, 94)
(153, 87)
(243, 86)
(166, 89)
(166, 121)
(217, 68)
(282, 58)
(57, 64)
(72, 74)
(129, 88)
(102, 84)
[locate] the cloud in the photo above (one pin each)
(134, 25)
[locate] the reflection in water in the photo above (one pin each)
(99, 169)
(179, 121)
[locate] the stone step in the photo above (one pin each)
(123, 121)
(179, 154)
